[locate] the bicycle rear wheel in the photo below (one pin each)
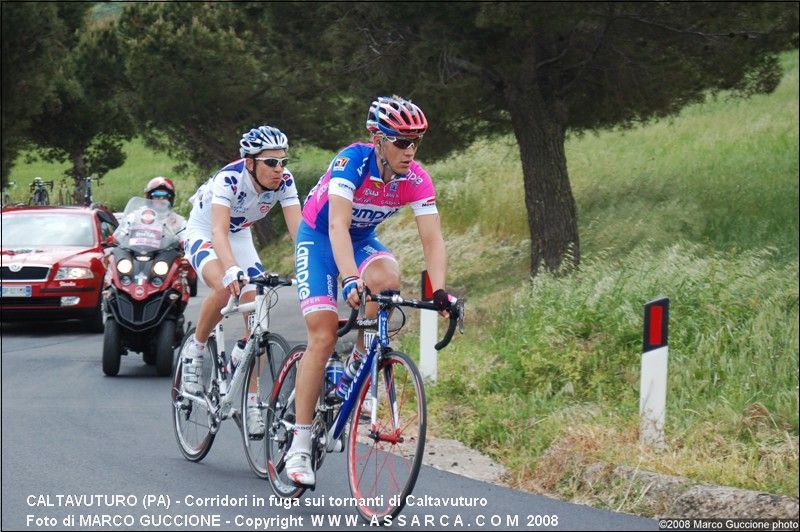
(266, 366)
(281, 411)
(191, 420)
(384, 458)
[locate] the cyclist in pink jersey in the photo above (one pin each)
(365, 184)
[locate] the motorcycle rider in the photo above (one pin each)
(158, 189)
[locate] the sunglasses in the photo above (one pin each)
(159, 194)
(404, 143)
(272, 162)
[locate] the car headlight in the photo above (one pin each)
(160, 268)
(124, 266)
(74, 273)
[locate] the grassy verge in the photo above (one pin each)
(702, 208)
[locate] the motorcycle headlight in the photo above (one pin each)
(73, 273)
(160, 268)
(124, 266)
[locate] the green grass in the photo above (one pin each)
(120, 184)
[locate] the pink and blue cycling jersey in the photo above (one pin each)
(354, 175)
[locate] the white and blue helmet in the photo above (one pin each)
(262, 138)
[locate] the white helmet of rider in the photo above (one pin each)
(262, 138)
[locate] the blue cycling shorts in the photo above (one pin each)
(316, 269)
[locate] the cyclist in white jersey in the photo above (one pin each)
(219, 243)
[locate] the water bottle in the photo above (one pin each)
(237, 353)
(334, 370)
(348, 376)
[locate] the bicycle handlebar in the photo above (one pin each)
(456, 310)
(269, 280)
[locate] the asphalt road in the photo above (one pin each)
(101, 451)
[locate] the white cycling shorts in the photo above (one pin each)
(200, 252)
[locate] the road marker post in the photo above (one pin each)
(428, 333)
(653, 385)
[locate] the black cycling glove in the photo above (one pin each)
(442, 299)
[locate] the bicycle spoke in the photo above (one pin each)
(384, 458)
(191, 421)
(262, 372)
(277, 440)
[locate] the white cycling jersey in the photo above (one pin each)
(233, 187)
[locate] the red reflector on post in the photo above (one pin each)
(656, 314)
(427, 289)
(656, 324)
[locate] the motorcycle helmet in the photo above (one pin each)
(160, 188)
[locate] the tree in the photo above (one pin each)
(88, 118)
(35, 39)
(206, 73)
(541, 70)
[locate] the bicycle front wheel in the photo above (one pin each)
(384, 456)
(192, 420)
(280, 417)
(260, 377)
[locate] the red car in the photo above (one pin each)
(52, 263)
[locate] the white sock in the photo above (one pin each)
(302, 439)
(252, 399)
(200, 346)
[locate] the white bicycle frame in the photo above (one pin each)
(258, 323)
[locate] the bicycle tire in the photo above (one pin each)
(190, 421)
(385, 464)
(279, 440)
(273, 355)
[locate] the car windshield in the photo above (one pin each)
(47, 229)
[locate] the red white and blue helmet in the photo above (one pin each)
(160, 188)
(396, 116)
(262, 138)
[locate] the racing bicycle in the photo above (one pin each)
(196, 419)
(384, 405)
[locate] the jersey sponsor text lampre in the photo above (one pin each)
(354, 175)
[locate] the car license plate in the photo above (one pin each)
(15, 291)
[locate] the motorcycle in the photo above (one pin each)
(146, 288)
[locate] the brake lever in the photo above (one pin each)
(460, 319)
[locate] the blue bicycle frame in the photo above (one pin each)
(378, 344)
